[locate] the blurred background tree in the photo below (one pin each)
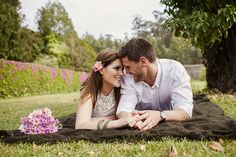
(166, 44)
(57, 44)
(62, 46)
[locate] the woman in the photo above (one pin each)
(100, 94)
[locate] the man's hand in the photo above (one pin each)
(133, 118)
(129, 119)
(148, 119)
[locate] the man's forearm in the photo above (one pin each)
(176, 115)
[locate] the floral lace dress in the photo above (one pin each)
(105, 105)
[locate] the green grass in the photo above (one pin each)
(198, 86)
(11, 113)
(142, 148)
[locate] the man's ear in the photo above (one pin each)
(143, 61)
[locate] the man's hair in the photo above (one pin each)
(136, 48)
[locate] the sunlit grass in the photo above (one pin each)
(10, 114)
(119, 148)
(198, 86)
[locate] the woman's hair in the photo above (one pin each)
(93, 85)
(136, 48)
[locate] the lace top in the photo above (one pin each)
(105, 105)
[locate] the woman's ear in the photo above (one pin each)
(101, 71)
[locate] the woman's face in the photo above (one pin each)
(112, 74)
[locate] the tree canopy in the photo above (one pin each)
(205, 22)
(53, 18)
(62, 47)
(9, 27)
(211, 25)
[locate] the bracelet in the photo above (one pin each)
(99, 124)
(106, 124)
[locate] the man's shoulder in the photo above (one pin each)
(169, 62)
(171, 68)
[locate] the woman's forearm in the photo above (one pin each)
(92, 124)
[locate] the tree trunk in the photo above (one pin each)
(220, 62)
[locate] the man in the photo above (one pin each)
(153, 90)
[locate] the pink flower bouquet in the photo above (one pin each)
(40, 121)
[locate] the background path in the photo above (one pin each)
(43, 99)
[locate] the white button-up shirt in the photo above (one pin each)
(171, 90)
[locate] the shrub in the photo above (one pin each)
(26, 79)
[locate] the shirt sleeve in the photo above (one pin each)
(181, 95)
(129, 96)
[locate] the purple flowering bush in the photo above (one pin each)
(26, 79)
(40, 121)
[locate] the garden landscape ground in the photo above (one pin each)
(64, 104)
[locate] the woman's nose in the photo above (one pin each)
(121, 72)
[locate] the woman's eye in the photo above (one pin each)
(117, 68)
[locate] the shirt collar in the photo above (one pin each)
(158, 77)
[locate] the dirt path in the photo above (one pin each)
(43, 99)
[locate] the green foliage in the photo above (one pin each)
(62, 47)
(58, 53)
(204, 22)
(198, 86)
(14, 40)
(90, 39)
(53, 18)
(9, 27)
(84, 60)
(56, 29)
(23, 79)
(203, 74)
(103, 42)
(24, 51)
(165, 43)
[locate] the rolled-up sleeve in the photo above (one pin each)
(129, 96)
(181, 96)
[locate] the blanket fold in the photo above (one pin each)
(208, 122)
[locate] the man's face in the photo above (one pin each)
(134, 68)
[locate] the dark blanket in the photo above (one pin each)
(208, 122)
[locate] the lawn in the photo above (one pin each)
(10, 115)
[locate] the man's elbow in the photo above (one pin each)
(183, 115)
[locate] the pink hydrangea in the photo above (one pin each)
(40, 121)
(97, 66)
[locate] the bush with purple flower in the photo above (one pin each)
(40, 121)
(26, 79)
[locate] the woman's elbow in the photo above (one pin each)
(78, 125)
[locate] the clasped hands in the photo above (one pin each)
(144, 120)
